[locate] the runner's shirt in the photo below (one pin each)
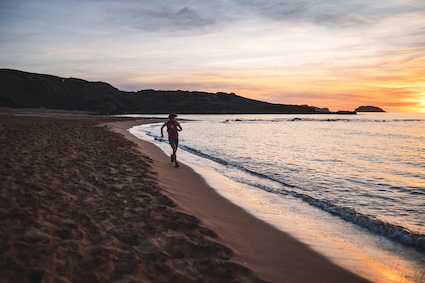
(172, 129)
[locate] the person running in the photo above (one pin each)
(173, 129)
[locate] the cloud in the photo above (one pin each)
(168, 16)
(330, 13)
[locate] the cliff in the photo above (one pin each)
(20, 89)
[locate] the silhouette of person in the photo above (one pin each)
(173, 129)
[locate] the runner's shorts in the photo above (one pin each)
(173, 141)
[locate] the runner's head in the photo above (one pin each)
(172, 116)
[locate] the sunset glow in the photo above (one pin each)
(333, 54)
(422, 103)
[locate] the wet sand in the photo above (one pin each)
(81, 203)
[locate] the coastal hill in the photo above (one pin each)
(20, 89)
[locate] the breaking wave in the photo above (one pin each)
(395, 233)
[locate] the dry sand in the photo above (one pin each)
(81, 203)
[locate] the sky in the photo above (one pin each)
(338, 54)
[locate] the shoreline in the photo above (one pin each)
(82, 203)
(270, 253)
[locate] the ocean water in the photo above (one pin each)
(350, 186)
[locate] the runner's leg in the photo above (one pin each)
(174, 146)
(175, 154)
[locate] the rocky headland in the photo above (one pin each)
(19, 89)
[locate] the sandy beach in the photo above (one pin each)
(83, 200)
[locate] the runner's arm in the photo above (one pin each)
(162, 134)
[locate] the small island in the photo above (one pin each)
(369, 109)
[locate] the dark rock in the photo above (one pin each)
(346, 112)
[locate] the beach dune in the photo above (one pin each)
(82, 200)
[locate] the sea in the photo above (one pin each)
(352, 187)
